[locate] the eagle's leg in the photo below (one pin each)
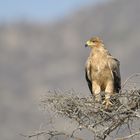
(109, 93)
(96, 90)
(107, 101)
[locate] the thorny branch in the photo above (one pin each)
(129, 78)
(130, 136)
(91, 115)
(51, 135)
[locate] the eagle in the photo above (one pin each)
(102, 71)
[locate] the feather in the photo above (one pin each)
(88, 81)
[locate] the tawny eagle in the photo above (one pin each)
(102, 71)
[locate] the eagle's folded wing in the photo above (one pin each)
(88, 73)
(114, 65)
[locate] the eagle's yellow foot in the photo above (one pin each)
(107, 103)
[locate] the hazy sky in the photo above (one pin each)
(39, 10)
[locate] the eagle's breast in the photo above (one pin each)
(101, 72)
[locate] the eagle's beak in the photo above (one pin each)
(90, 44)
(87, 43)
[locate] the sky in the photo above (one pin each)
(40, 10)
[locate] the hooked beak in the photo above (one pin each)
(90, 44)
(87, 43)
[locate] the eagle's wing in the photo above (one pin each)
(88, 74)
(114, 65)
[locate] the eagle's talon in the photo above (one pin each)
(98, 98)
(107, 103)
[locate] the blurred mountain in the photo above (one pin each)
(36, 57)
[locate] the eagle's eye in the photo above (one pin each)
(93, 41)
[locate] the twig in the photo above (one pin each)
(33, 135)
(93, 116)
(51, 134)
(130, 136)
(130, 77)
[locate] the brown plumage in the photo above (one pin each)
(102, 71)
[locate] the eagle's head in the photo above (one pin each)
(94, 42)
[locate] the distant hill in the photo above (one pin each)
(36, 57)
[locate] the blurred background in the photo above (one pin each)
(42, 48)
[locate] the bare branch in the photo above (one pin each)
(130, 136)
(92, 115)
(130, 77)
(51, 134)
